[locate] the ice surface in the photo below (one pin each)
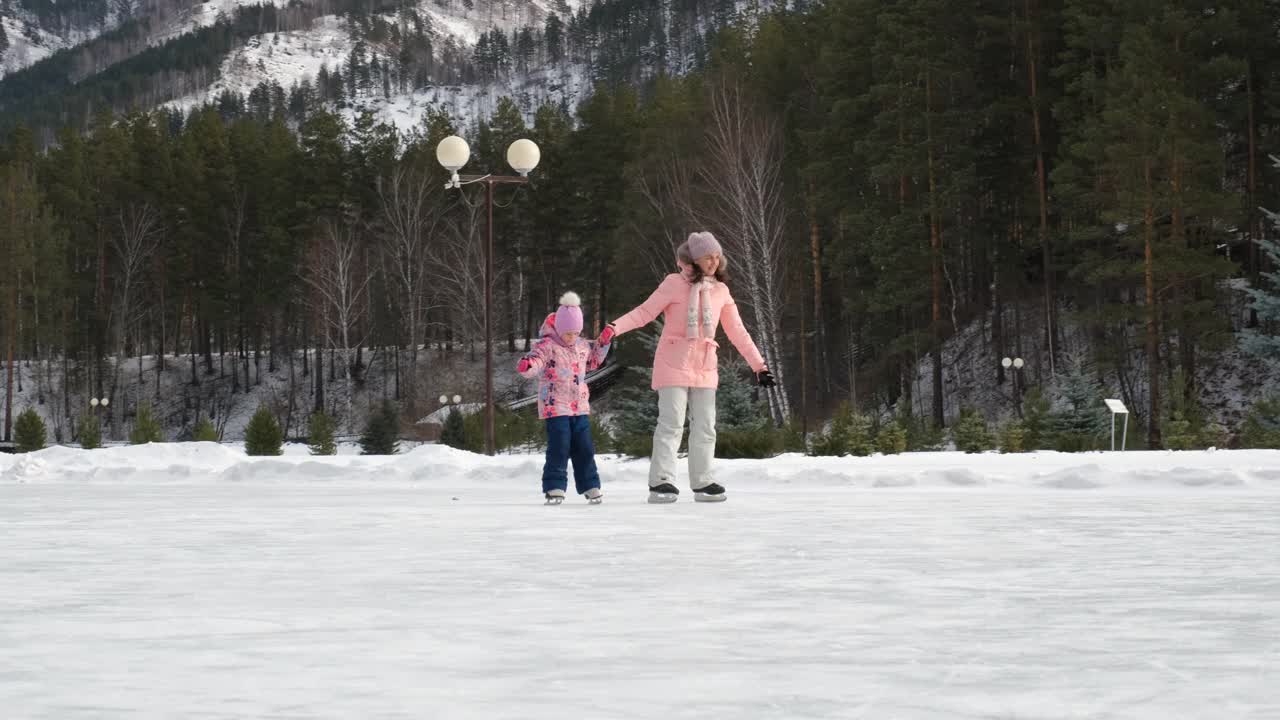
(190, 581)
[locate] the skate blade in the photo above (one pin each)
(703, 497)
(662, 498)
(595, 501)
(554, 501)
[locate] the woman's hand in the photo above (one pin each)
(605, 335)
(765, 378)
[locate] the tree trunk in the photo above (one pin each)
(1254, 218)
(997, 301)
(306, 369)
(511, 312)
(195, 379)
(819, 324)
(319, 378)
(935, 245)
(1041, 188)
(1152, 327)
(529, 329)
(804, 373)
(9, 343)
(206, 338)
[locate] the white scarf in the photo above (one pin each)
(699, 302)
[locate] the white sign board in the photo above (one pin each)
(1117, 408)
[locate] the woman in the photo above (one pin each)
(685, 372)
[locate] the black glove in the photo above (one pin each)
(765, 378)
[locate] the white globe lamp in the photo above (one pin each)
(523, 156)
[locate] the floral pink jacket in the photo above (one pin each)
(562, 370)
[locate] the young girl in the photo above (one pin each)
(561, 360)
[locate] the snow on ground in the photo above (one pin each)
(24, 50)
(440, 466)
(292, 57)
(202, 14)
(467, 104)
(169, 23)
(467, 24)
(287, 57)
(188, 580)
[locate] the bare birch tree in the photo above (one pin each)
(667, 211)
(139, 236)
(459, 268)
(411, 209)
(741, 179)
(338, 282)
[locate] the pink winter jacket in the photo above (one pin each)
(681, 361)
(562, 371)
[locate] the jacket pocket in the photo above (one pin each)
(676, 354)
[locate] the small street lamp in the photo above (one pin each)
(99, 404)
(523, 156)
(1016, 363)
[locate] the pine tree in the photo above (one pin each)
(1145, 158)
(146, 428)
(1013, 437)
(90, 432)
(849, 434)
(29, 432)
(1081, 422)
(382, 433)
(737, 407)
(1262, 425)
(1036, 420)
(204, 431)
(635, 404)
(262, 436)
(553, 36)
(891, 439)
(454, 433)
(971, 433)
(320, 431)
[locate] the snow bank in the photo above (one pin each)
(440, 466)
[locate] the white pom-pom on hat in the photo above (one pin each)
(570, 299)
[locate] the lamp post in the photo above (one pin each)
(96, 404)
(523, 156)
(1016, 364)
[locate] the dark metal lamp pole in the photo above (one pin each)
(523, 156)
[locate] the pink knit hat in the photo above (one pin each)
(569, 314)
(702, 244)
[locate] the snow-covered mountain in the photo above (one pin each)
(35, 30)
(292, 57)
(395, 59)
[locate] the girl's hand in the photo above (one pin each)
(606, 335)
(524, 365)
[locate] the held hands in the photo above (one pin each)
(765, 378)
(606, 335)
(524, 365)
